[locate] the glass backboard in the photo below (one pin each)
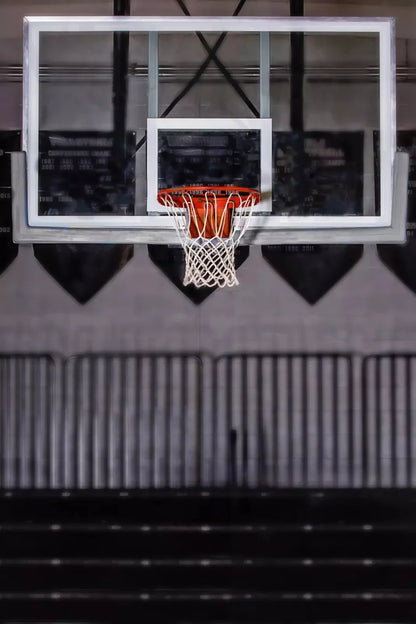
(208, 101)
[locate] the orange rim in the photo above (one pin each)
(201, 191)
(199, 224)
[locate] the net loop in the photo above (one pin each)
(210, 222)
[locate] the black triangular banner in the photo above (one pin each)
(171, 261)
(83, 269)
(312, 270)
(316, 173)
(400, 259)
(83, 182)
(8, 249)
(9, 141)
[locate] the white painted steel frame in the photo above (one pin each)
(384, 27)
(171, 123)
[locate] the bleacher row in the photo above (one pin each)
(183, 420)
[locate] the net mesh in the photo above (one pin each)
(210, 224)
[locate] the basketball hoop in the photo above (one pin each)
(210, 222)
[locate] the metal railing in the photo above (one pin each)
(289, 419)
(27, 421)
(389, 420)
(132, 421)
(185, 420)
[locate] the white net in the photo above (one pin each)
(210, 226)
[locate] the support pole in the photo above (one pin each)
(297, 69)
(297, 73)
(120, 89)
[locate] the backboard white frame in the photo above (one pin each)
(316, 225)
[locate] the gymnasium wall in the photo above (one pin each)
(369, 310)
